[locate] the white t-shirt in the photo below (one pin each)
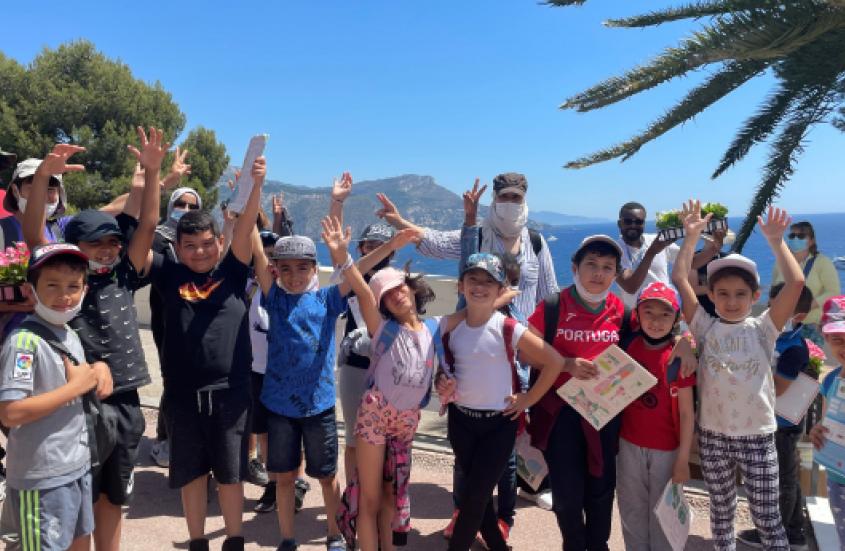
(658, 271)
(735, 374)
(482, 370)
(259, 324)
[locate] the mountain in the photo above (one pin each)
(559, 219)
(419, 198)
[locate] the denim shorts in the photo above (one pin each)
(287, 436)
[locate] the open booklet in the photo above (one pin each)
(674, 515)
(620, 381)
(530, 464)
(793, 404)
(243, 187)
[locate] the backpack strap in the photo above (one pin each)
(389, 331)
(433, 326)
(673, 373)
(551, 313)
(627, 334)
(50, 338)
(808, 267)
(507, 334)
(536, 241)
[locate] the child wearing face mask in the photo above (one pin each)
(657, 430)
(40, 389)
(107, 323)
(737, 392)
(16, 201)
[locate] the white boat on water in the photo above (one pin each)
(551, 239)
(839, 262)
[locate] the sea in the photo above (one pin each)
(563, 240)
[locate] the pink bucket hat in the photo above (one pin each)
(833, 315)
(384, 280)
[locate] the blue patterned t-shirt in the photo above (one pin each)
(299, 381)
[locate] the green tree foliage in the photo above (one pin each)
(801, 42)
(208, 160)
(75, 94)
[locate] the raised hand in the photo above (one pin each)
(56, 161)
(259, 170)
(694, 224)
(342, 188)
(404, 237)
(336, 239)
(278, 204)
(388, 211)
(153, 148)
(471, 199)
(777, 222)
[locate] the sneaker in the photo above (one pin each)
(447, 532)
(335, 543)
(542, 499)
(750, 538)
(256, 473)
(287, 545)
(160, 453)
(267, 502)
(505, 529)
(300, 488)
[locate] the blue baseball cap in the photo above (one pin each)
(490, 263)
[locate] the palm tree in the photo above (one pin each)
(802, 42)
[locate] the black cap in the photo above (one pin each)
(510, 182)
(43, 253)
(268, 238)
(91, 225)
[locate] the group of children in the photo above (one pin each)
(248, 345)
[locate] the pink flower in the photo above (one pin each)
(815, 350)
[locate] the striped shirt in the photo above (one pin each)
(537, 278)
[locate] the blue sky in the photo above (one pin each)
(452, 89)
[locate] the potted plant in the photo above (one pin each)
(13, 265)
(817, 359)
(672, 227)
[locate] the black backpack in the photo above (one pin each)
(101, 421)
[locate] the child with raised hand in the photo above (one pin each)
(399, 377)
(657, 430)
(482, 389)
(832, 326)
(298, 388)
(107, 323)
(737, 393)
(48, 459)
(206, 363)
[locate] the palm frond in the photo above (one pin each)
(739, 37)
(688, 11)
(731, 77)
(757, 128)
(812, 108)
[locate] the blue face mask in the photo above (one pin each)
(176, 214)
(796, 244)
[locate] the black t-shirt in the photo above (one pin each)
(163, 246)
(107, 325)
(206, 325)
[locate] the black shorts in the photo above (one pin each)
(258, 417)
(116, 477)
(208, 432)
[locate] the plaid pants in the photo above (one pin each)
(757, 461)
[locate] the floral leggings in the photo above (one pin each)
(378, 420)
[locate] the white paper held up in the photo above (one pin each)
(243, 187)
(793, 404)
(530, 464)
(674, 515)
(620, 381)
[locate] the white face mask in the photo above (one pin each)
(509, 218)
(99, 268)
(313, 285)
(56, 317)
(22, 204)
(51, 208)
(587, 295)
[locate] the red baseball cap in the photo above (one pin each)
(662, 292)
(833, 315)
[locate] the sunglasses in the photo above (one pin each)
(633, 221)
(797, 235)
(183, 204)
